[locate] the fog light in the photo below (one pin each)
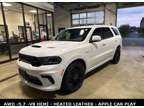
(49, 78)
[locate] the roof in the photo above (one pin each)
(91, 26)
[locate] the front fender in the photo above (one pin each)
(71, 58)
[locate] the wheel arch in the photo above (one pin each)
(118, 47)
(78, 60)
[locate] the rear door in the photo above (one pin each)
(117, 37)
(108, 42)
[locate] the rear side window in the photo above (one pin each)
(115, 31)
(104, 32)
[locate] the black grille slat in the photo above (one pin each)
(29, 59)
(30, 78)
(36, 46)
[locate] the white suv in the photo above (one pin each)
(61, 64)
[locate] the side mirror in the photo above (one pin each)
(95, 38)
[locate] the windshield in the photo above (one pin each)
(77, 34)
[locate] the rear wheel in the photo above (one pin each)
(73, 77)
(116, 57)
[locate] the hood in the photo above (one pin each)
(49, 48)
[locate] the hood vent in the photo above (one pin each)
(36, 46)
(50, 47)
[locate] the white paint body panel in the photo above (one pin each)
(94, 54)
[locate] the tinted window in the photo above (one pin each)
(103, 32)
(77, 34)
(115, 31)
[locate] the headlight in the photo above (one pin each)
(50, 60)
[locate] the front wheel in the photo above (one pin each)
(116, 57)
(73, 77)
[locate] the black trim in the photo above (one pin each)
(30, 78)
(49, 78)
(39, 61)
(36, 46)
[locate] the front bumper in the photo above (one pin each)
(45, 78)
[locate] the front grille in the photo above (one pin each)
(29, 59)
(30, 78)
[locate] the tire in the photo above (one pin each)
(117, 55)
(73, 77)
